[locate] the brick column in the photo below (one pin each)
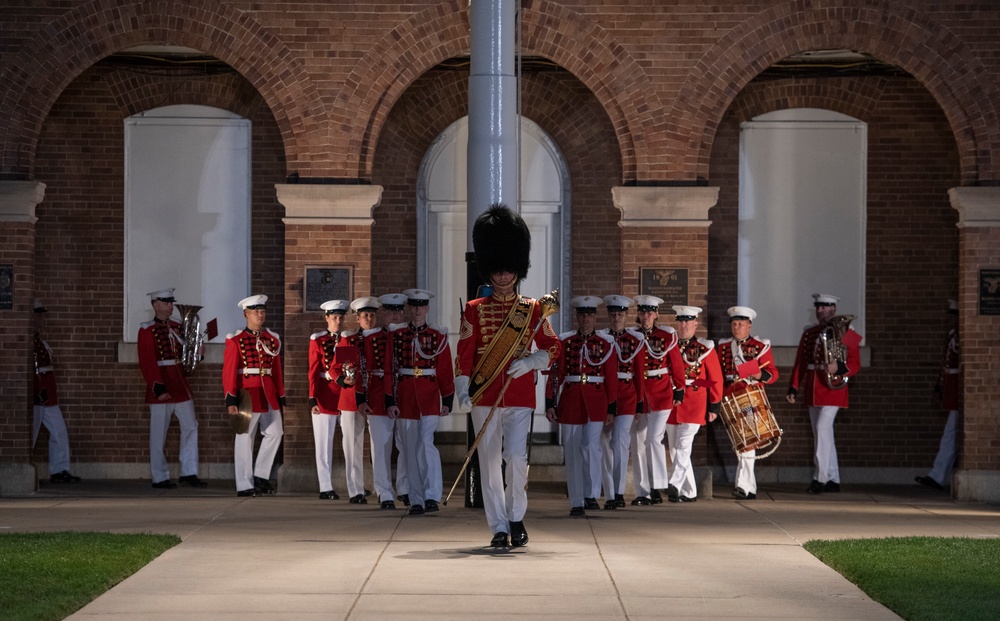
(668, 226)
(17, 252)
(325, 225)
(977, 473)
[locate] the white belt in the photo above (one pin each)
(583, 379)
(41, 370)
(377, 374)
(256, 371)
(688, 382)
(624, 376)
(166, 363)
(657, 372)
(946, 371)
(418, 372)
(815, 367)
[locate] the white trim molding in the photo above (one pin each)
(328, 204)
(18, 200)
(976, 206)
(664, 205)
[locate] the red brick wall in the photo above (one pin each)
(17, 240)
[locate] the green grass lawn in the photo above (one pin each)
(51, 575)
(921, 577)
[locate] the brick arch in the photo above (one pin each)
(887, 30)
(570, 40)
(234, 94)
(857, 102)
(69, 44)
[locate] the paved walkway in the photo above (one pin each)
(296, 557)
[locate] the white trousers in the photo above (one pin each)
(272, 430)
(402, 481)
(649, 457)
(324, 426)
(745, 478)
(582, 449)
(423, 461)
(352, 424)
(822, 418)
(505, 440)
(380, 432)
(680, 439)
(159, 422)
(945, 459)
(615, 441)
(51, 416)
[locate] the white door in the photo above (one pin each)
(441, 230)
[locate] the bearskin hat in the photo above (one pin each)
(502, 243)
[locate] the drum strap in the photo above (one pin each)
(508, 342)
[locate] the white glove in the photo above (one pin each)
(462, 403)
(536, 361)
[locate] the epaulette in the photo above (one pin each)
(348, 333)
(146, 324)
(371, 331)
(233, 334)
(274, 334)
(707, 342)
(607, 337)
(566, 335)
(666, 329)
(441, 329)
(637, 334)
(725, 340)
(762, 341)
(392, 327)
(319, 334)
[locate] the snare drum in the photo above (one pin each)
(749, 421)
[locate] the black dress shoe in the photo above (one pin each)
(193, 481)
(739, 493)
(387, 504)
(672, 493)
(330, 495)
(263, 486)
(368, 493)
(165, 484)
(619, 501)
(499, 541)
(929, 482)
(815, 487)
(656, 497)
(576, 512)
(430, 506)
(609, 505)
(641, 501)
(416, 510)
(250, 493)
(591, 503)
(687, 499)
(405, 499)
(63, 477)
(359, 500)
(518, 535)
(751, 496)
(831, 487)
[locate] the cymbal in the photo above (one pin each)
(240, 422)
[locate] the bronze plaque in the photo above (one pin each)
(670, 284)
(326, 283)
(989, 292)
(6, 287)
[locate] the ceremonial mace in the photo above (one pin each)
(549, 306)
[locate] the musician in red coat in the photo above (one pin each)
(582, 392)
(663, 389)
(326, 382)
(630, 346)
(812, 372)
(393, 306)
(745, 359)
(370, 397)
(354, 419)
(422, 391)
(46, 409)
(167, 392)
(701, 403)
(497, 335)
(948, 392)
(252, 361)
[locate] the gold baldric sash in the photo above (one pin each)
(508, 342)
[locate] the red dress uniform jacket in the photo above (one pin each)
(371, 389)
(348, 394)
(253, 361)
(703, 376)
(425, 377)
(630, 348)
(751, 348)
(663, 374)
(949, 381)
(45, 377)
(159, 345)
(810, 368)
(583, 382)
(324, 391)
(481, 320)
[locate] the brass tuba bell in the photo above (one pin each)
(192, 338)
(834, 349)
